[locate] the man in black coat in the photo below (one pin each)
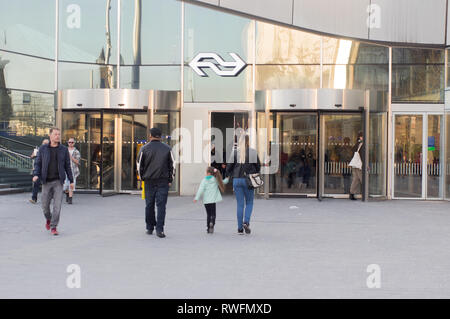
(51, 166)
(155, 167)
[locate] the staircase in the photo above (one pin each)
(13, 181)
(15, 169)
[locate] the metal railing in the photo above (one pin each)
(11, 159)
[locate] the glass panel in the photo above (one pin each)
(340, 51)
(88, 31)
(209, 30)
(85, 128)
(134, 136)
(86, 76)
(151, 77)
(417, 75)
(212, 31)
(28, 26)
(377, 154)
(418, 83)
(26, 116)
(160, 32)
(434, 161)
(108, 153)
(23, 72)
(279, 45)
(298, 154)
(408, 156)
(167, 122)
(204, 89)
(270, 77)
(340, 136)
(362, 77)
(447, 146)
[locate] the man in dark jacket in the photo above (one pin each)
(155, 167)
(51, 166)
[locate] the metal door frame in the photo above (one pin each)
(424, 195)
(274, 113)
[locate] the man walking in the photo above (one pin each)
(36, 184)
(155, 167)
(51, 166)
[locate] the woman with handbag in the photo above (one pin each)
(243, 169)
(356, 165)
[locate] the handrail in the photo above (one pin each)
(18, 142)
(12, 152)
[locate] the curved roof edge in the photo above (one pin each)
(415, 23)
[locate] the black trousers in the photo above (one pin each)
(210, 214)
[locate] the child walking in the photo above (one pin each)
(210, 188)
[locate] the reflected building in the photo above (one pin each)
(108, 70)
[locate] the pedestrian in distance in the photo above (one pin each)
(356, 165)
(37, 184)
(210, 191)
(244, 161)
(75, 157)
(51, 167)
(155, 166)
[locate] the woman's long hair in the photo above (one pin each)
(216, 173)
(242, 147)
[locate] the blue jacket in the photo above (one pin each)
(43, 159)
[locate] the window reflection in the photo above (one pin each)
(24, 72)
(417, 75)
(86, 76)
(88, 31)
(269, 77)
(28, 26)
(160, 25)
(208, 30)
(279, 45)
(25, 114)
(151, 77)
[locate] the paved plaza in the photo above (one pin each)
(299, 248)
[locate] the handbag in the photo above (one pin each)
(356, 160)
(254, 180)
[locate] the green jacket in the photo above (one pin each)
(209, 190)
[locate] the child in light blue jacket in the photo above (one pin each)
(210, 188)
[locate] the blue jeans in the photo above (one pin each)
(243, 195)
(156, 193)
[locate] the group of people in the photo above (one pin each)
(55, 168)
(155, 167)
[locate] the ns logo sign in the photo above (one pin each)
(217, 64)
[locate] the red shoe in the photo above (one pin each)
(54, 232)
(47, 225)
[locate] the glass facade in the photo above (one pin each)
(417, 75)
(50, 45)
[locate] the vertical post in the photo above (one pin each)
(58, 99)
(390, 136)
(366, 126)
(119, 5)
